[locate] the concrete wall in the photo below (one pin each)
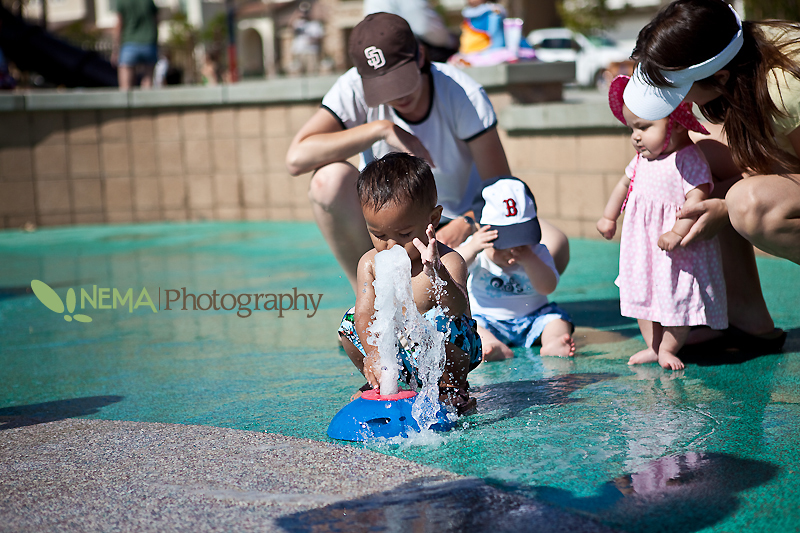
(218, 154)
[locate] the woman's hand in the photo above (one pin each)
(405, 142)
(711, 215)
(454, 232)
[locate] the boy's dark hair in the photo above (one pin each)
(396, 178)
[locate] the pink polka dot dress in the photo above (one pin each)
(684, 287)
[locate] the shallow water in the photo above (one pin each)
(712, 448)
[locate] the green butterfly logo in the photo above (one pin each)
(52, 301)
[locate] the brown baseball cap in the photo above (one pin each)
(384, 50)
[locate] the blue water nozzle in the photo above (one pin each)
(374, 416)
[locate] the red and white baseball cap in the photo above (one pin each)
(507, 204)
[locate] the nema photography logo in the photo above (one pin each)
(53, 301)
(111, 298)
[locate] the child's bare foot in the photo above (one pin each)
(495, 350)
(561, 346)
(645, 356)
(667, 360)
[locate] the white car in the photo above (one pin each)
(592, 55)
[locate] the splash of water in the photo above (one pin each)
(398, 322)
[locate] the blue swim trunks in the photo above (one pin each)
(525, 330)
(461, 331)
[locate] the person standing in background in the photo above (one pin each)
(426, 24)
(136, 42)
(305, 43)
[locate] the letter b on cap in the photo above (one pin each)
(375, 57)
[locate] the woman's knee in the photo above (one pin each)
(751, 207)
(557, 243)
(331, 183)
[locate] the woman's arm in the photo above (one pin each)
(673, 238)
(607, 225)
(490, 160)
(489, 156)
(322, 140)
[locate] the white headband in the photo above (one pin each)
(708, 67)
(649, 102)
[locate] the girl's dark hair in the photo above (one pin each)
(396, 178)
(688, 32)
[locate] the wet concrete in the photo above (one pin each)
(98, 475)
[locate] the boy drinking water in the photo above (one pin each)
(399, 202)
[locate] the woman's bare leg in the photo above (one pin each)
(557, 243)
(337, 211)
(766, 211)
(747, 309)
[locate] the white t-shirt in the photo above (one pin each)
(505, 294)
(460, 112)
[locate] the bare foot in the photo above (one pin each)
(645, 356)
(562, 346)
(668, 360)
(494, 350)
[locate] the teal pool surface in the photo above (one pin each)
(711, 448)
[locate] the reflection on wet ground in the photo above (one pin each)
(511, 398)
(458, 506)
(680, 493)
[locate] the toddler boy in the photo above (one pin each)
(399, 202)
(511, 273)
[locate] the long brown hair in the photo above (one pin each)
(688, 32)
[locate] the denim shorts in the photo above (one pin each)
(131, 54)
(525, 330)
